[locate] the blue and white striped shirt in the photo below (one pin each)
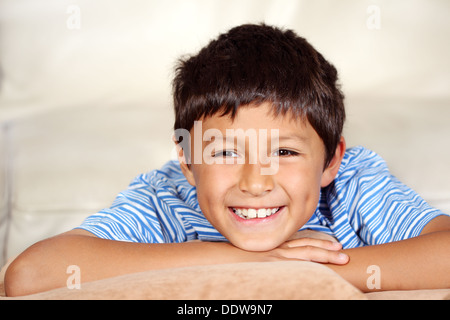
(364, 205)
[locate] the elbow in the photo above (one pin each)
(42, 267)
(18, 278)
(23, 275)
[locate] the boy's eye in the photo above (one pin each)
(225, 154)
(285, 153)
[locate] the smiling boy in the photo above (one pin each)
(235, 198)
(248, 197)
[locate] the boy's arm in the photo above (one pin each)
(417, 263)
(44, 265)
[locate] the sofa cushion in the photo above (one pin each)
(411, 135)
(90, 104)
(290, 280)
(4, 186)
(71, 163)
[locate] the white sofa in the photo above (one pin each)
(85, 93)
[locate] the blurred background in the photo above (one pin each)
(85, 93)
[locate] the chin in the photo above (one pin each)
(256, 245)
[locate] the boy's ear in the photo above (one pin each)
(332, 169)
(185, 167)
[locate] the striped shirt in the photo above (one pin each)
(364, 205)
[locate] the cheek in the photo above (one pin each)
(212, 183)
(301, 184)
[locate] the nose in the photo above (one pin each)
(254, 183)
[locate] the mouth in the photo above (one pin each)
(251, 213)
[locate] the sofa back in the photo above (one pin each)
(85, 93)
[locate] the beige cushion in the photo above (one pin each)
(252, 281)
(265, 280)
(88, 108)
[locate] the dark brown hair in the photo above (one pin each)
(256, 64)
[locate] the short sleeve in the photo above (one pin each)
(380, 208)
(367, 205)
(140, 214)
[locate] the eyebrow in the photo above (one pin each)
(291, 137)
(295, 137)
(213, 138)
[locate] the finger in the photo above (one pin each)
(324, 244)
(314, 254)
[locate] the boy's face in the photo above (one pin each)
(254, 210)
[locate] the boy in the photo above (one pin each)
(259, 118)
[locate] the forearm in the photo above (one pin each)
(44, 266)
(418, 263)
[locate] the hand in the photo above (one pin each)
(312, 234)
(310, 249)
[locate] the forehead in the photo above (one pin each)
(261, 117)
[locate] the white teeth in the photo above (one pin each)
(255, 213)
(251, 213)
(262, 213)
